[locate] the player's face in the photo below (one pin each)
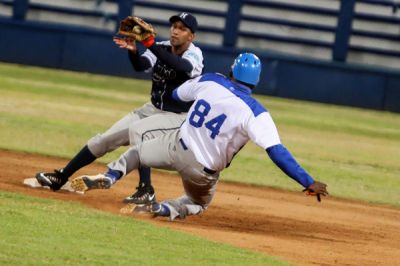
(180, 34)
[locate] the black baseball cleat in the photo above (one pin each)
(53, 180)
(144, 195)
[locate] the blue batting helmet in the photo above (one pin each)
(247, 68)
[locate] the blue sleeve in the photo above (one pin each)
(175, 96)
(285, 161)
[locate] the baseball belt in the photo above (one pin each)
(205, 169)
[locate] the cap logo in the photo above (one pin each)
(183, 15)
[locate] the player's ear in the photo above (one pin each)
(191, 36)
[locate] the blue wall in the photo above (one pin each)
(93, 51)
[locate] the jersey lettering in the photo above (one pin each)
(198, 116)
(215, 124)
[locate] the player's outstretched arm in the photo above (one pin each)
(176, 62)
(138, 62)
(287, 163)
(125, 43)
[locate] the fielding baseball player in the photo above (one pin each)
(171, 63)
(223, 118)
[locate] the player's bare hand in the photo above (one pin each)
(125, 43)
(317, 189)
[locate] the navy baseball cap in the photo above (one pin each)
(188, 19)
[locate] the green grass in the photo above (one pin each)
(356, 152)
(36, 231)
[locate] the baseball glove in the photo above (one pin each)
(136, 28)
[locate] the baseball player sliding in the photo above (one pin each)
(171, 63)
(222, 119)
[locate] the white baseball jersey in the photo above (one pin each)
(222, 119)
(193, 54)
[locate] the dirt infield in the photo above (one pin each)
(288, 225)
